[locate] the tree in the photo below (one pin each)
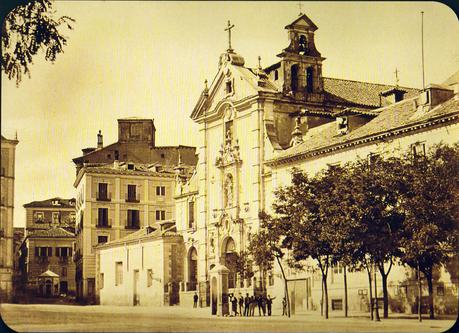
(377, 185)
(264, 248)
(28, 29)
(431, 206)
(304, 229)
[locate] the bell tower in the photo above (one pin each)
(301, 62)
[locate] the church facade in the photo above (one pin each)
(255, 125)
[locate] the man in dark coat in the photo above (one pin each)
(269, 302)
(263, 304)
(259, 301)
(246, 305)
(241, 304)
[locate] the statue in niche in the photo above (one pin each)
(212, 243)
(228, 191)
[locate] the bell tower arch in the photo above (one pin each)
(302, 62)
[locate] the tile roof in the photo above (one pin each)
(50, 233)
(48, 203)
(358, 92)
(396, 117)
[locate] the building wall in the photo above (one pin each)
(62, 266)
(8, 149)
(358, 281)
(88, 205)
(66, 217)
(158, 255)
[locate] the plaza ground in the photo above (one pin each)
(71, 318)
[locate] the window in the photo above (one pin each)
(229, 87)
(191, 214)
(101, 281)
(337, 268)
(63, 251)
(39, 217)
(130, 166)
(102, 220)
(271, 279)
(132, 194)
(133, 221)
(161, 190)
(149, 277)
(276, 75)
(64, 271)
(41, 251)
(103, 194)
(102, 239)
(440, 291)
(118, 273)
(418, 149)
(56, 217)
(342, 124)
(160, 215)
(72, 217)
(337, 304)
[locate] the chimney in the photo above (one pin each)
(100, 140)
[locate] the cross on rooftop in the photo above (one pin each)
(300, 6)
(229, 27)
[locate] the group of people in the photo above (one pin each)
(248, 304)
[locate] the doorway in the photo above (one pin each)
(214, 295)
(136, 300)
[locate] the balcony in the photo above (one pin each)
(103, 223)
(132, 197)
(103, 196)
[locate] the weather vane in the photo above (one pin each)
(230, 26)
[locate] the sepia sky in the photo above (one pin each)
(150, 59)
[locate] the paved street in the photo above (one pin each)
(61, 318)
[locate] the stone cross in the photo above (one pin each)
(300, 6)
(230, 26)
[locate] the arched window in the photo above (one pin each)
(230, 258)
(303, 44)
(294, 77)
(310, 79)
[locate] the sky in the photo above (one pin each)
(150, 59)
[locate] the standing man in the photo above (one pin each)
(263, 304)
(259, 301)
(195, 300)
(241, 304)
(284, 306)
(269, 302)
(246, 305)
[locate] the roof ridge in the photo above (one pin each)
(378, 84)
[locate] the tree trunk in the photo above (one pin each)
(285, 285)
(385, 296)
(419, 294)
(324, 279)
(345, 292)
(428, 275)
(376, 299)
(384, 276)
(371, 293)
(322, 300)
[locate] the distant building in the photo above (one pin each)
(49, 250)
(143, 268)
(120, 189)
(54, 212)
(7, 174)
